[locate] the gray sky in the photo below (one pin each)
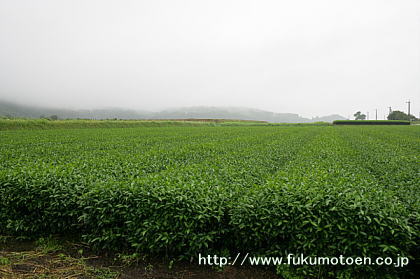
(304, 56)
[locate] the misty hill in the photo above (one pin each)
(240, 113)
(15, 110)
(228, 113)
(328, 118)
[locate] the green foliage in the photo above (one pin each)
(54, 123)
(4, 261)
(399, 115)
(370, 122)
(46, 123)
(48, 244)
(180, 191)
(359, 116)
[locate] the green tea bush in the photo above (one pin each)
(371, 122)
(39, 202)
(177, 191)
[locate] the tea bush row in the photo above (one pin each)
(174, 191)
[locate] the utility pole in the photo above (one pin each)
(376, 114)
(408, 109)
(390, 111)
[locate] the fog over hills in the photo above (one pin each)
(9, 109)
(311, 58)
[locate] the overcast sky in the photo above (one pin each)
(311, 57)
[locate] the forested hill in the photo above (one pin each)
(9, 109)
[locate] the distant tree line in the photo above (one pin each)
(399, 115)
(393, 115)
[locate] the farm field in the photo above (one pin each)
(180, 191)
(38, 124)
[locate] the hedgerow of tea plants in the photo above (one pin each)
(180, 191)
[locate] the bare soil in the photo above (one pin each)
(29, 259)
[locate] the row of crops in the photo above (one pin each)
(180, 191)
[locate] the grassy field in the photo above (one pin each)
(46, 124)
(36, 124)
(179, 191)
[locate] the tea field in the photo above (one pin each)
(180, 191)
